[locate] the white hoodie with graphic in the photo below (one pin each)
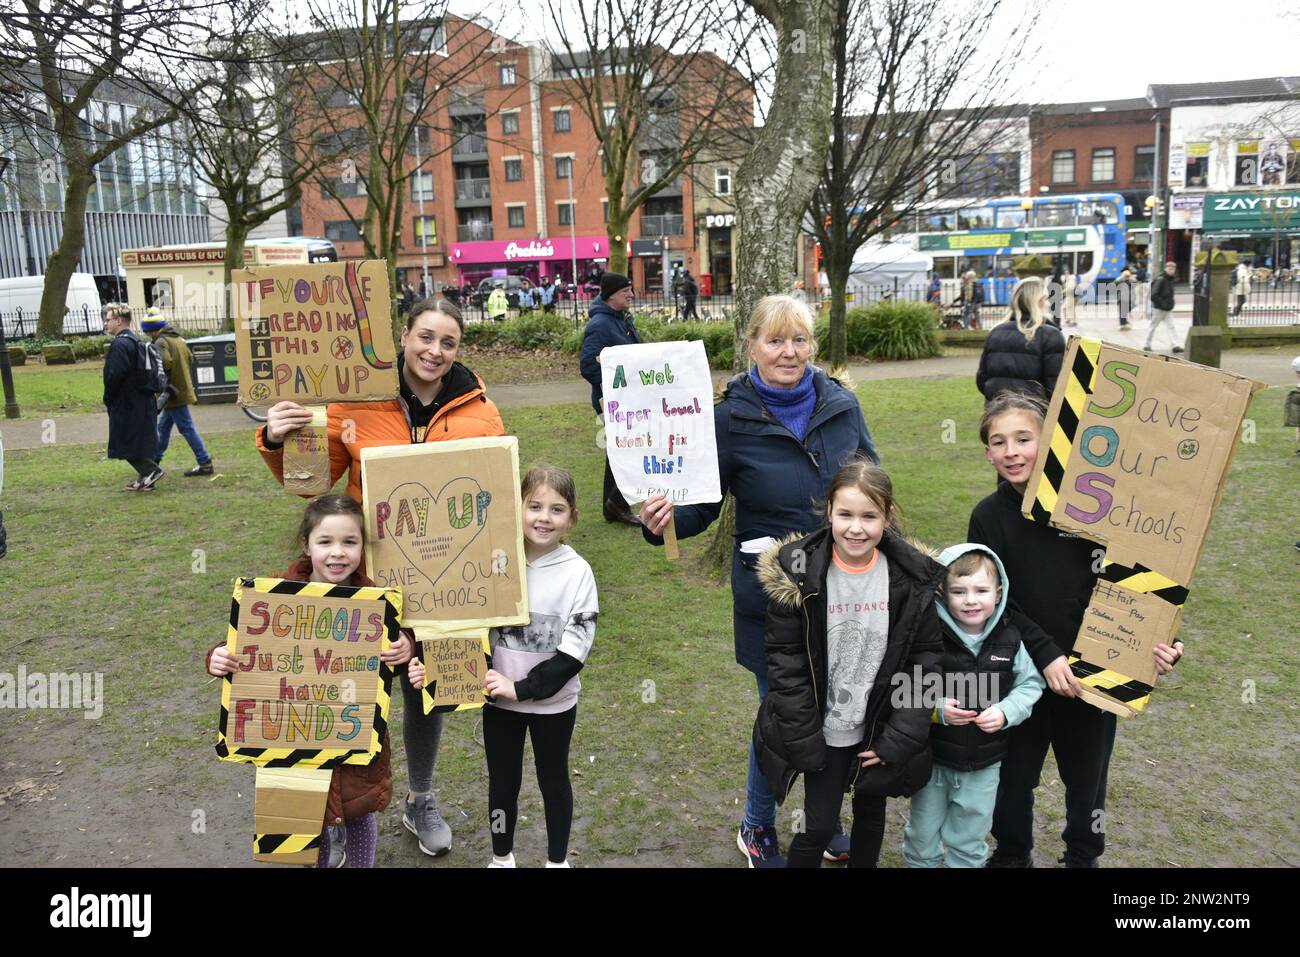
(562, 610)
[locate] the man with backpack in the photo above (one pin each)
(131, 400)
(176, 361)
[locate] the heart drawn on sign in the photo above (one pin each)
(1111, 654)
(471, 665)
(433, 530)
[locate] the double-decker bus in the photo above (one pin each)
(1085, 232)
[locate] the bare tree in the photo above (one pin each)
(374, 76)
(775, 182)
(656, 81)
(57, 57)
(915, 101)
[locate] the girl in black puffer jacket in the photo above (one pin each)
(851, 628)
(1024, 354)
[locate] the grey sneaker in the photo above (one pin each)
(338, 846)
(422, 819)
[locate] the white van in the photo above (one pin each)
(20, 299)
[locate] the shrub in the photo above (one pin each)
(480, 334)
(537, 330)
(91, 347)
(885, 330)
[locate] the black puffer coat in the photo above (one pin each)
(1011, 363)
(132, 412)
(788, 735)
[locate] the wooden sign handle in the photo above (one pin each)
(670, 540)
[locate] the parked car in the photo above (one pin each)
(513, 285)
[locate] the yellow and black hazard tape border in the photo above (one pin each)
(312, 757)
(1079, 385)
(1118, 686)
(285, 843)
(1139, 578)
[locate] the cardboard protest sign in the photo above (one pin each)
(659, 422)
(454, 669)
(314, 334)
(443, 523)
(289, 813)
(1134, 455)
(310, 691)
(307, 456)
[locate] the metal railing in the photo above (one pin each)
(85, 321)
(666, 225)
(468, 232)
(473, 189)
(1272, 302)
(469, 144)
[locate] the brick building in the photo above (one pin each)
(1100, 146)
(513, 183)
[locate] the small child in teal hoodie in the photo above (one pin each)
(990, 684)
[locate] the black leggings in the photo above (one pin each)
(823, 794)
(503, 740)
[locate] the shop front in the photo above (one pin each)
(531, 259)
(1262, 228)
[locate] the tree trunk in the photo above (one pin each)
(236, 236)
(778, 177)
(63, 262)
(837, 266)
(616, 236)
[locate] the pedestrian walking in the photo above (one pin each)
(132, 409)
(1124, 296)
(1241, 286)
(690, 289)
(177, 360)
(1162, 305)
(498, 306)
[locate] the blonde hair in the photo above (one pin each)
(1027, 306)
(781, 315)
(117, 310)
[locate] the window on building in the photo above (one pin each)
(604, 165)
(609, 114)
(564, 167)
(510, 123)
(342, 231)
(515, 216)
(604, 208)
(722, 181)
(562, 121)
(343, 187)
(426, 231)
(422, 187)
(987, 174)
(566, 213)
(507, 74)
(1246, 170)
(1144, 163)
(1293, 162)
(514, 170)
(1063, 166)
(1198, 164)
(1103, 164)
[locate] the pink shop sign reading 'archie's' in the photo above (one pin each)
(555, 247)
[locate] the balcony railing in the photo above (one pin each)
(473, 189)
(471, 232)
(469, 144)
(652, 226)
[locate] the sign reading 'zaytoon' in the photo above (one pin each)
(1252, 212)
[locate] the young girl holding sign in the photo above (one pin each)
(534, 680)
(1052, 574)
(851, 618)
(333, 538)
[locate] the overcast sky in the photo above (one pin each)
(1113, 49)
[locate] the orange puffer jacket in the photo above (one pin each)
(471, 415)
(355, 790)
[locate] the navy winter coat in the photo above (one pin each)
(1010, 363)
(776, 481)
(132, 412)
(605, 327)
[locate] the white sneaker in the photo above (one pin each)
(563, 863)
(508, 862)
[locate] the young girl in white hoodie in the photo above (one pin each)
(534, 677)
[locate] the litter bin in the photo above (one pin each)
(214, 370)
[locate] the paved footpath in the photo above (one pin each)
(1271, 366)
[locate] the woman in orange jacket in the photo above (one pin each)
(440, 399)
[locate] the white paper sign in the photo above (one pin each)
(659, 421)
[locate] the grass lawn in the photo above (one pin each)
(43, 389)
(138, 587)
